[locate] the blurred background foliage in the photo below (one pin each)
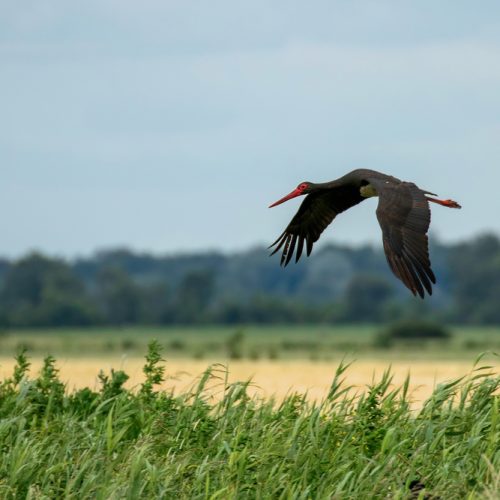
(339, 284)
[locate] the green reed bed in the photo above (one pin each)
(143, 443)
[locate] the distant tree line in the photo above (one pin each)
(338, 284)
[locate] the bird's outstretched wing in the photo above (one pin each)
(316, 212)
(404, 216)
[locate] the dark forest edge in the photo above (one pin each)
(338, 284)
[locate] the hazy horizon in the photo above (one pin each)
(159, 253)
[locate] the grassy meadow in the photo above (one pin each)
(249, 412)
(254, 342)
(112, 442)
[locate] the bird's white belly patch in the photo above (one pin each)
(368, 191)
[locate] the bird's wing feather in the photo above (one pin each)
(404, 216)
(316, 212)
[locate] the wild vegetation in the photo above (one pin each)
(399, 340)
(143, 443)
(336, 285)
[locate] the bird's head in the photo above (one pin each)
(303, 188)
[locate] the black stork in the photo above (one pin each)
(403, 214)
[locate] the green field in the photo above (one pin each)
(252, 342)
(114, 443)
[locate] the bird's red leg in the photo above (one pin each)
(445, 203)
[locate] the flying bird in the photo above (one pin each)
(403, 214)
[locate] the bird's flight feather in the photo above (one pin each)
(404, 216)
(316, 212)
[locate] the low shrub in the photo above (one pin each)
(411, 330)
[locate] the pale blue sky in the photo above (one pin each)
(172, 125)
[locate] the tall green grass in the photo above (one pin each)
(143, 443)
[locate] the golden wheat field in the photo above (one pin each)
(268, 377)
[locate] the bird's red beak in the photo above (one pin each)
(296, 192)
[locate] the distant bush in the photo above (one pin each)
(199, 354)
(272, 352)
(299, 345)
(177, 345)
(254, 354)
(128, 344)
(413, 330)
(24, 346)
(477, 345)
(109, 345)
(234, 345)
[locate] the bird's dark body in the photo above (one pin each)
(403, 213)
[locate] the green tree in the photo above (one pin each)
(155, 304)
(365, 298)
(475, 267)
(39, 291)
(193, 297)
(119, 297)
